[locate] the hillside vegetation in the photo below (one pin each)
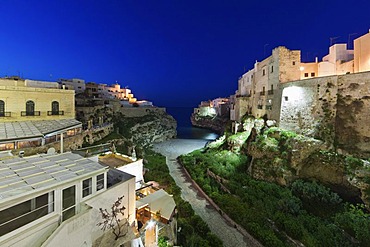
(285, 189)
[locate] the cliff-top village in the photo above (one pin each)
(53, 190)
(306, 97)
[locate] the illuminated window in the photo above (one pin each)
(87, 187)
(7, 146)
(28, 144)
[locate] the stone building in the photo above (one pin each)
(78, 85)
(36, 115)
(259, 89)
(335, 109)
(362, 53)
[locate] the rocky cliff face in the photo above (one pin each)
(148, 129)
(282, 156)
(216, 124)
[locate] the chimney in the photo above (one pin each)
(316, 59)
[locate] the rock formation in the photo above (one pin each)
(282, 157)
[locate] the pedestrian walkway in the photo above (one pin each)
(230, 236)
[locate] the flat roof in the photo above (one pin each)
(34, 129)
(21, 175)
(158, 201)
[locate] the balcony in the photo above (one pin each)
(55, 113)
(268, 107)
(263, 93)
(5, 114)
(260, 107)
(270, 92)
(30, 113)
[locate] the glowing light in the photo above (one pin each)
(151, 223)
(301, 68)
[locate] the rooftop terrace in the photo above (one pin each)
(21, 175)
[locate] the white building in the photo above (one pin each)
(54, 200)
(73, 84)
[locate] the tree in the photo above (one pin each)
(112, 220)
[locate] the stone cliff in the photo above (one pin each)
(148, 129)
(216, 124)
(282, 157)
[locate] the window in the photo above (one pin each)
(2, 108)
(30, 108)
(7, 146)
(293, 63)
(68, 203)
(305, 74)
(26, 212)
(86, 187)
(263, 72)
(55, 108)
(100, 182)
(272, 69)
(313, 74)
(286, 98)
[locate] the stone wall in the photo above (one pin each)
(334, 109)
(15, 98)
(140, 111)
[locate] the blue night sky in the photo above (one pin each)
(173, 52)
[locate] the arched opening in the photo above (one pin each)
(2, 108)
(55, 108)
(30, 108)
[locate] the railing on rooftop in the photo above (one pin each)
(30, 113)
(92, 150)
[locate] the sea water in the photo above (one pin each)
(184, 128)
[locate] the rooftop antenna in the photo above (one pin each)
(349, 39)
(332, 40)
(264, 50)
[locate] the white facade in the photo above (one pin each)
(54, 200)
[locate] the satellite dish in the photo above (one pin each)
(51, 151)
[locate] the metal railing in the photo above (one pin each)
(5, 114)
(51, 113)
(30, 113)
(270, 92)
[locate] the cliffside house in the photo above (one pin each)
(259, 90)
(54, 200)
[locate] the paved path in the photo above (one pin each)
(172, 149)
